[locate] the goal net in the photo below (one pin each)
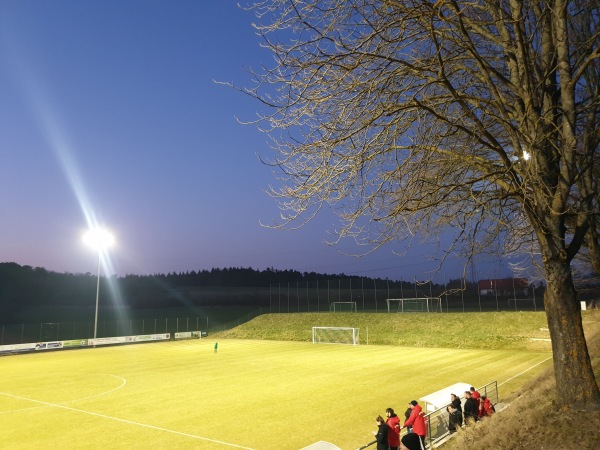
(343, 307)
(335, 335)
(417, 304)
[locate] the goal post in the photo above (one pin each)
(343, 307)
(416, 304)
(335, 335)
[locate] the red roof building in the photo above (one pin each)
(505, 287)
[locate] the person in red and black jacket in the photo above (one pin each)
(393, 422)
(470, 410)
(475, 395)
(417, 421)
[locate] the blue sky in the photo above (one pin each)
(109, 113)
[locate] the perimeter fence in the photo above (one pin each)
(372, 296)
(65, 331)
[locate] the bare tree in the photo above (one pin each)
(409, 116)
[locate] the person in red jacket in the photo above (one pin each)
(487, 409)
(393, 421)
(417, 421)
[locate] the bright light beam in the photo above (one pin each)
(53, 130)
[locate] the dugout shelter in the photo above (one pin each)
(441, 398)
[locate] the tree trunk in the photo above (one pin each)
(575, 381)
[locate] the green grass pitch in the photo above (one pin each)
(252, 394)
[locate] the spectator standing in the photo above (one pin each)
(470, 409)
(407, 415)
(455, 419)
(417, 421)
(393, 423)
(455, 400)
(381, 435)
(487, 409)
(475, 395)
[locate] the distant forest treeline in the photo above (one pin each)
(33, 295)
(227, 277)
(24, 288)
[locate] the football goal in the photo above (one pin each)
(335, 335)
(417, 304)
(343, 307)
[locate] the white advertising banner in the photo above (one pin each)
(129, 339)
(57, 345)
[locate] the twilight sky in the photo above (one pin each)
(109, 114)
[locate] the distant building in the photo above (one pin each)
(504, 287)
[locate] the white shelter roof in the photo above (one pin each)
(322, 445)
(441, 398)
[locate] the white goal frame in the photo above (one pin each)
(352, 306)
(335, 335)
(422, 304)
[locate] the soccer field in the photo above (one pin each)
(250, 395)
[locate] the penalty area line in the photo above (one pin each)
(130, 422)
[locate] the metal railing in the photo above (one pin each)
(438, 420)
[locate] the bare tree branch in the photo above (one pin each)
(411, 117)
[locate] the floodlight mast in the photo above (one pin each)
(97, 297)
(100, 240)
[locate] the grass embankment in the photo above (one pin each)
(492, 331)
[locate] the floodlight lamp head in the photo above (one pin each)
(99, 239)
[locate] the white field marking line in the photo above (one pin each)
(526, 370)
(130, 422)
(124, 382)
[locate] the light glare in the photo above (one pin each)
(99, 239)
